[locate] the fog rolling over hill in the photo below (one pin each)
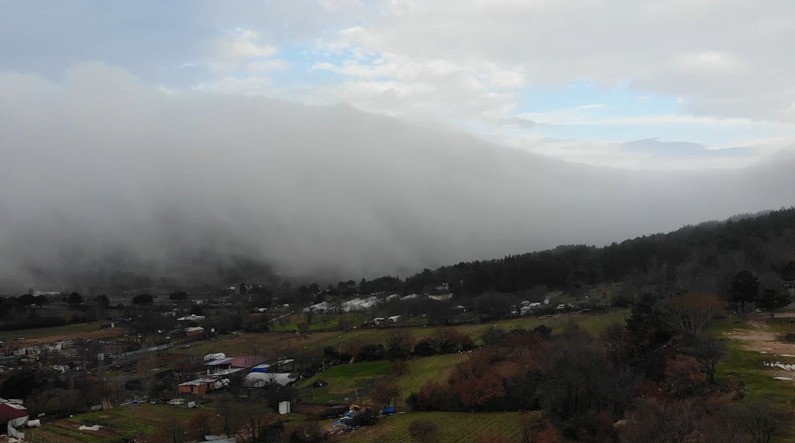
(103, 177)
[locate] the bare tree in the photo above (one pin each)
(690, 313)
(254, 422)
(399, 345)
(227, 414)
(760, 420)
(655, 421)
(172, 431)
(614, 338)
(385, 393)
(708, 350)
(201, 424)
(145, 368)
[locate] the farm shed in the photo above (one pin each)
(199, 386)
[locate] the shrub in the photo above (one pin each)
(371, 352)
(424, 431)
(367, 417)
(309, 432)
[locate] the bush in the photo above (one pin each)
(424, 431)
(425, 347)
(372, 352)
(367, 417)
(543, 331)
(309, 432)
(399, 346)
(434, 397)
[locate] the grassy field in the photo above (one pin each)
(117, 423)
(323, 322)
(55, 331)
(353, 382)
(593, 323)
(745, 362)
(758, 378)
(423, 370)
(276, 344)
(728, 324)
(453, 427)
(344, 383)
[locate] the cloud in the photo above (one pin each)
(103, 177)
(436, 89)
(650, 154)
(476, 65)
(656, 147)
(244, 44)
(723, 59)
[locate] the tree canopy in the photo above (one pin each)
(772, 299)
(74, 299)
(143, 299)
(744, 288)
(178, 296)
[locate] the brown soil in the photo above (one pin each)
(98, 334)
(759, 338)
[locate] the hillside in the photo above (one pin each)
(763, 244)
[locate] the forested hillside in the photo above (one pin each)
(702, 257)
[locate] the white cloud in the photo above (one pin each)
(467, 62)
(436, 89)
(242, 64)
(243, 44)
(647, 155)
(724, 59)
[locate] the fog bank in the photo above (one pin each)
(103, 176)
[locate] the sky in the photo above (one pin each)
(361, 137)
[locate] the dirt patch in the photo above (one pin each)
(760, 338)
(94, 335)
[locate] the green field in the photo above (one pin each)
(276, 344)
(426, 369)
(117, 423)
(353, 382)
(54, 331)
(758, 378)
(453, 427)
(593, 323)
(728, 324)
(344, 383)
